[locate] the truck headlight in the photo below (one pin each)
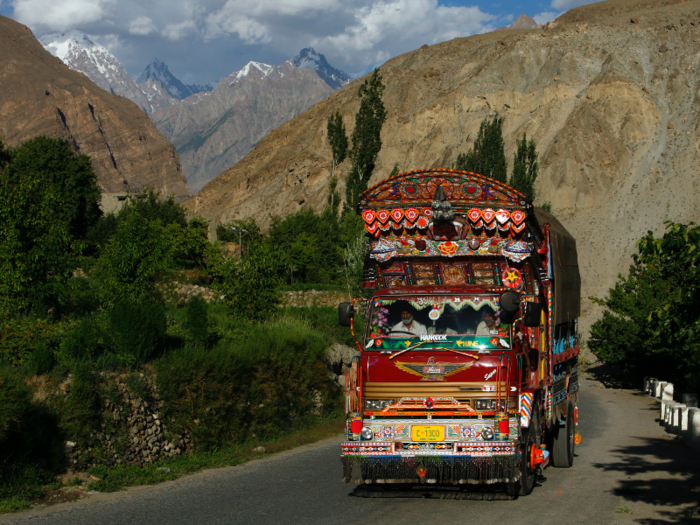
(377, 404)
(366, 433)
(487, 433)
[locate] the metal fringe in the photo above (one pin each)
(438, 469)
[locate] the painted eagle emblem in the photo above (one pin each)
(432, 371)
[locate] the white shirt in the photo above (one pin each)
(415, 328)
(483, 329)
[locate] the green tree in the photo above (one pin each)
(366, 137)
(151, 207)
(228, 232)
(309, 245)
(487, 157)
(133, 260)
(651, 325)
(37, 251)
(525, 168)
(66, 174)
(251, 284)
(191, 246)
(338, 140)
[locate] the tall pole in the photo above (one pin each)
(241, 233)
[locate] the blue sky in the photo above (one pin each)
(203, 40)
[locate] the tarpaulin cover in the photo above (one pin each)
(567, 280)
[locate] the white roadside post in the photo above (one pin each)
(694, 425)
(659, 389)
(667, 392)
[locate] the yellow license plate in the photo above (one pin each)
(428, 433)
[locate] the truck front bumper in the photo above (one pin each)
(447, 463)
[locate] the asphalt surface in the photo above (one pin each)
(627, 470)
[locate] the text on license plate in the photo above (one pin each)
(428, 433)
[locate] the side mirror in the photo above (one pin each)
(345, 313)
(533, 313)
(510, 302)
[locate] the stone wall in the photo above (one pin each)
(132, 430)
(314, 298)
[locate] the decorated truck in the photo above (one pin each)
(468, 365)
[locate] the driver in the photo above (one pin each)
(409, 324)
(487, 324)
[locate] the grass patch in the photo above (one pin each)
(113, 479)
(623, 510)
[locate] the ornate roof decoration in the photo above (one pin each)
(463, 189)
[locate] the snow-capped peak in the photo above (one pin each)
(309, 57)
(265, 69)
(158, 70)
(59, 44)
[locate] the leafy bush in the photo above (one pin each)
(20, 337)
(197, 321)
(138, 330)
(261, 384)
(15, 397)
(80, 409)
(86, 341)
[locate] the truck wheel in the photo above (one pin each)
(526, 483)
(563, 441)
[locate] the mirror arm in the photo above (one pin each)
(352, 325)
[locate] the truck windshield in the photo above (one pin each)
(452, 316)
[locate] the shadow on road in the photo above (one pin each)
(467, 492)
(663, 473)
(609, 375)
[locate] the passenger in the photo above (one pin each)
(488, 323)
(409, 324)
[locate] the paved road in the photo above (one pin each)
(627, 470)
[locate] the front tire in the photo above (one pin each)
(530, 437)
(564, 441)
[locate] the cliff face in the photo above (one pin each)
(610, 92)
(40, 95)
(214, 130)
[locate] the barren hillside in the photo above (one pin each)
(609, 92)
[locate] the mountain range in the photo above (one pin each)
(212, 128)
(158, 70)
(82, 54)
(609, 92)
(40, 95)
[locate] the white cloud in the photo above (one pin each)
(142, 25)
(60, 15)
(220, 36)
(179, 31)
(392, 27)
(546, 17)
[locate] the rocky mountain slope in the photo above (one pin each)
(214, 130)
(157, 70)
(40, 95)
(522, 22)
(94, 61)
(609, 91)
